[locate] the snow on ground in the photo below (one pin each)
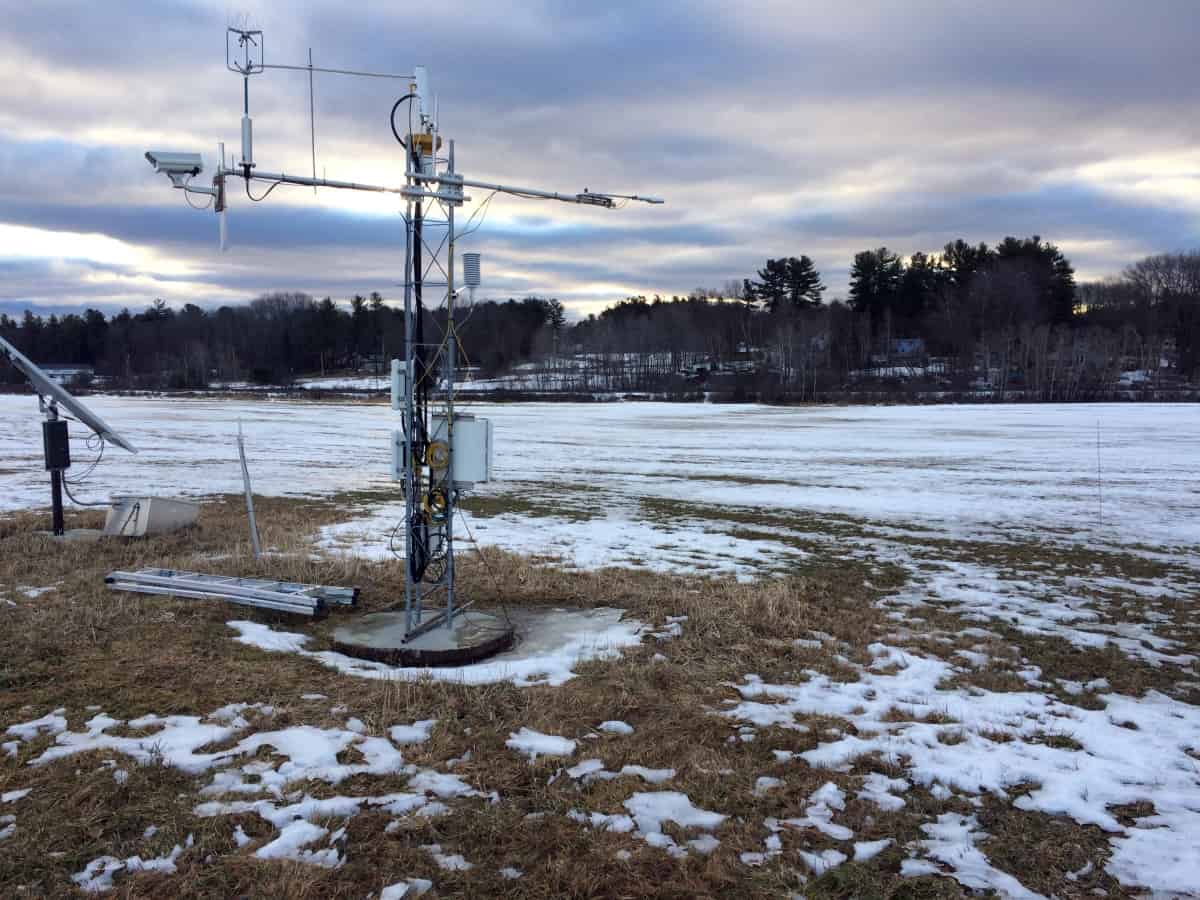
(97, 876)
(972, 741)
(647, 811)
(298, 754)
(302, 825)
(416, 733)
(680, 487)
(964, 469)
(534, 744)
(412, 887)
(189, 447)
(593, 770)
(751, 490)
(347, 383)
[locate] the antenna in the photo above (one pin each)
(438, 453)
(56, 447)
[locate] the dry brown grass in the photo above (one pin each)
(82, 645)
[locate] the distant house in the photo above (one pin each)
(899, 351)
(907, 348)
(68, 375)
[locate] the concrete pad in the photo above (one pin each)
(471, 637)
(514, 638)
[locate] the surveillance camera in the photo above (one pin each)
(175, 165)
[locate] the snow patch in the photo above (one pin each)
(97, 876)
(865, 850)
(535, 744)
(412, 887)
(416, 733)
(952, 841)
(453, 862)
(1116, 765)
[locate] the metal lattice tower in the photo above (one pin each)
(430, 492)
(431, 193)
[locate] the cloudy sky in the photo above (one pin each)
(771, 127)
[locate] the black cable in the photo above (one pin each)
(71, 497)
(79, 479)
(392, 541)
(487, 568)
(266, 194)
(392, 119)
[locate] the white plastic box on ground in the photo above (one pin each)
(139, 516)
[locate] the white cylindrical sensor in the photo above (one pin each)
(471, 274)
(247, 142)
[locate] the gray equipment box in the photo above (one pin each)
(472, 462)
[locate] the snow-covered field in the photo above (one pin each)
(1114, 474)
(738, 489)
(1065, 523)
(189, 447)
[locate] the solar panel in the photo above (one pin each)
(46, 386)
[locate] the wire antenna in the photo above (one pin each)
(312, 120)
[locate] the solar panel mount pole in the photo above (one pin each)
(57, 523)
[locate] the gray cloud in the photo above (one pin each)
(778, 128)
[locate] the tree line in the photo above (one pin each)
(1005, 318)
(1008, 319)
(270, 340)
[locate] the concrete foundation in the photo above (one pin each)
(473, 636)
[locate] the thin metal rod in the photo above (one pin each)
(312, 119)
(249, 495)
(337, 71)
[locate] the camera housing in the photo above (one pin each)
(176, 166)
